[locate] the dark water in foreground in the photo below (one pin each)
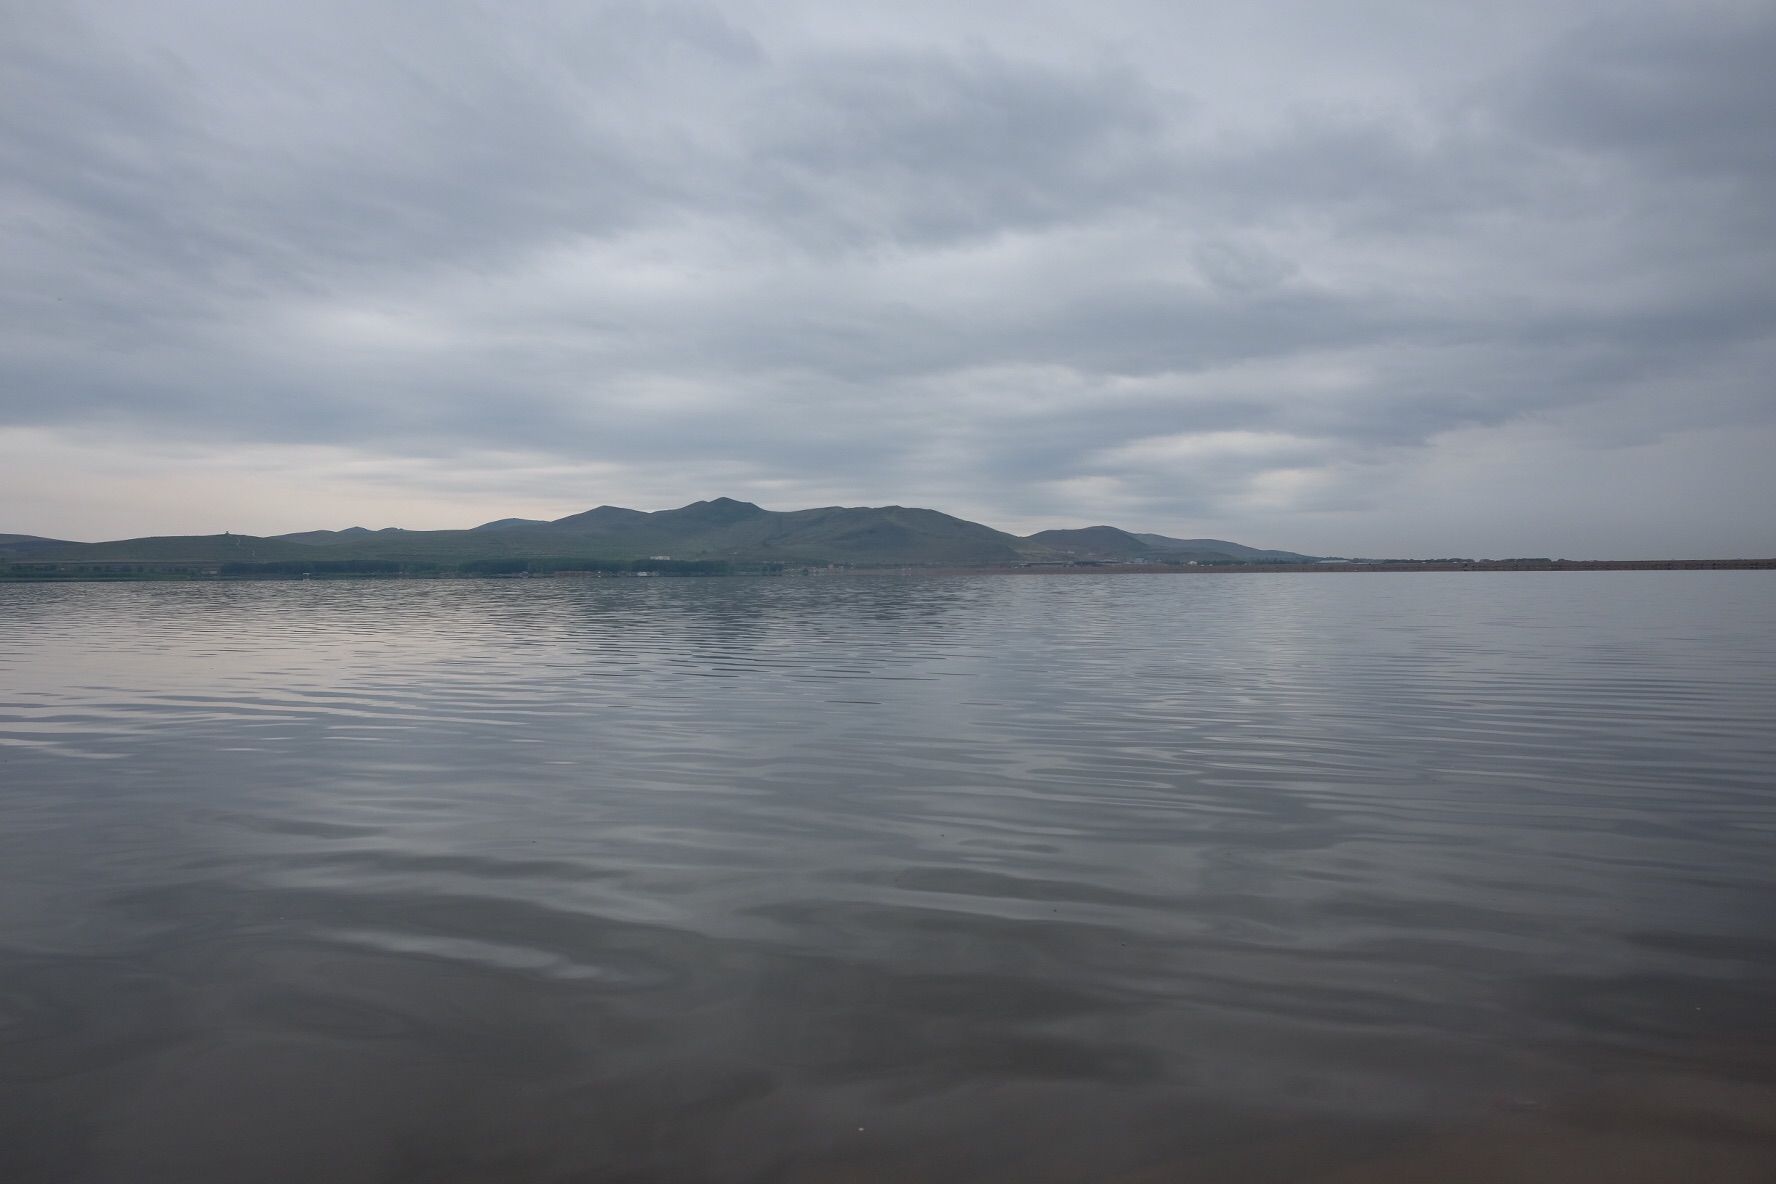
(1226, 878)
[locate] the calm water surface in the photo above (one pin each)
(1121, 878)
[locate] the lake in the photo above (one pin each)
(1049, 878)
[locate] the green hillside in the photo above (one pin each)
(197, 548)
(704, 534)
(19, 545)
(1220, 550)
(1090, 542)
(722, 529)
(1107, 543)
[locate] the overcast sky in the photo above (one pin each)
(1355, 278)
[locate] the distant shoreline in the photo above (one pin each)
(181, 573)
(723, 537)
(1391, 566)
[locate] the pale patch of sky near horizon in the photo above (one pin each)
(1363, 278)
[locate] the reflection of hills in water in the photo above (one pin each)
(722, 530)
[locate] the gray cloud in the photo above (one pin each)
(1677, 88)
(1255, 279)
(904, 148)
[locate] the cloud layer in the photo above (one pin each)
(1374, 280)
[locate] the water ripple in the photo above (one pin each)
(692, 880)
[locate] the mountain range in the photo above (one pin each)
(721, 530)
